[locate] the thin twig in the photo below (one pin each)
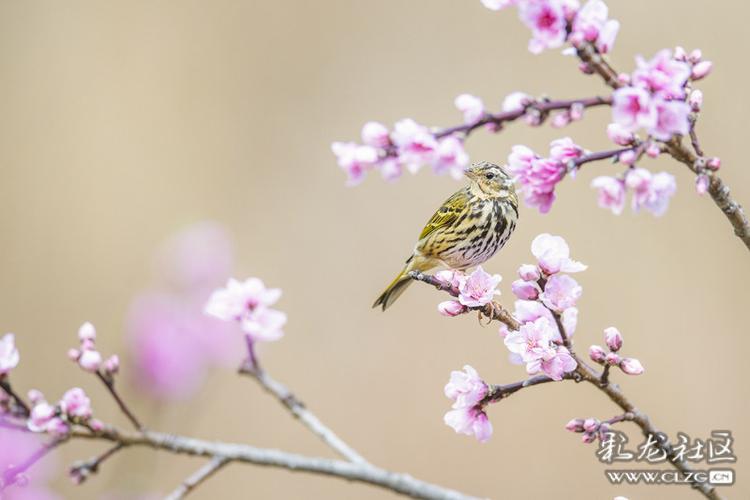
(110, 385)
(80, 471)
(20, 403)
(189, 484)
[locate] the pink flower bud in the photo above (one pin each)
(588, 437)
(696, 100)
(701, 184)
(613, 337)
(612, 359)
(112, 364)
(680, 54)
(560, 120)
(375, 134)
(87, 332)
(619, 134)
(35, 396)
(451, 308)
(575, 425)
(714, 163)
(529, 272)
(525, 290)
(74, 354)
(585, 69)
(702, 69)
(624, 78)
(576, 111)
(96, 425)
(653, 150)
(590, 425)
(596, 353)
(90, 361)
(631, 366)
(627, 157)
(695, 56)
(57, 427)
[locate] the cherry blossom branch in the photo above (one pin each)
(80, 471)
(23, 408)
(539, 108)
(109, 383)
(675, 147)
(241, 453)
(189, 484)
(583, 372)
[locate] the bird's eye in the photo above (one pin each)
(489, 176)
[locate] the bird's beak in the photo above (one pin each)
(470, 174)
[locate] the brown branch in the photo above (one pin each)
(195, 479)
(498, 392)
(109, 383)
(80, 471)
(18, 400)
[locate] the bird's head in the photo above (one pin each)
(492, 180)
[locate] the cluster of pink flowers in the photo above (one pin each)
(408, 146)
(548, 21)
(538, 176)
(73, 408)
(9, 356)
(88, 358)
(468, 390)
(613, 339)
(474, 290)
(650, 191)
(249, 304)
(655, 96)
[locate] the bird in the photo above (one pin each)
(467, 229)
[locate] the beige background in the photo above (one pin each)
(123, 122)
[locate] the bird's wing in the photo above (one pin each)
(447, 213)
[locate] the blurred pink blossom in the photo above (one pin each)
(662, 75)
(632, 109)
(499, 4)
(471, 106)
(354, 159)
(619, 134)
(611, 193)
(650, 191)
(516, 101)
(591, 24)
(450, 157)
(90, 360)
(415, 143)
(470, 421)
(375, 134)
(9, 356)
(547, 21)
(671, 119)
(76, 404)
(478, 288)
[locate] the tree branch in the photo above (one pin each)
(195, 479)
(18, 400)
(110, 385)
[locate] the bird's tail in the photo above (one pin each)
(402, 281)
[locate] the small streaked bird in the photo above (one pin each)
(466, 230)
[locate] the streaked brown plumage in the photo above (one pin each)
(466, 230)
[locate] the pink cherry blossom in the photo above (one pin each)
(76, 404)
(632, 109)
(478, 288)
(569, 319)
(43, 419)
(547, 21)
(553, 255)
(451, 308)
(537, 176)
(354, 159)
(529, 272)
(9, 356)
(532, 341)
(564, 150)
(450, 157)
(554, 365)
(465, 388)
(591, 24)
(471, 106)
(264, 324)
(671, 119)
(561, 292)
(525, 290)
(375, 134)
(87, 332)
(619, 134)
(112, 364)
(90, 360)
(613, 338)
(470, 421)
(611, 193)
(662, 75)
(516, 101)
(415, 143)
(631, 366)
(651, 191)
(238, 298)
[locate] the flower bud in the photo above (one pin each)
(620, 135)
(701, 70)
(696, 100)
(576, 111)
(680, 54)
(613, 337)
(525, 290)
(623, 78)
(529, 272)
(612, 359)
(631, 366)
(96, 425)
(575, 425)
(112, 364)
(714, 163)
(560, 120)
(627, 157)
(451, 308)
(695, 56)
(74, 354)
(590, 425)
(701, 184)
(35, 396)
(87, 332)
(588, 437)
(90, 361)
(375, 134)
(596, 353)
(653, 150)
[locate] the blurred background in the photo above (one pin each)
(129, 127)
